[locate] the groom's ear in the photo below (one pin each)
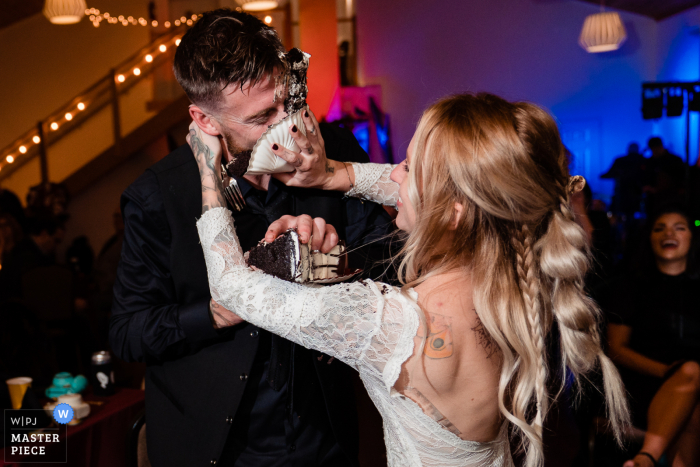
(204, 121)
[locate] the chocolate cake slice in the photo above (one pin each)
(289, 259)
(239, 163)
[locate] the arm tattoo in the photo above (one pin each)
(329, 168)
(201, 150)
(439, 342)
(483, 338)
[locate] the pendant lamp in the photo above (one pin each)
(258, 5)
(64, 11)
(602, 32)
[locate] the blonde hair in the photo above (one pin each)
(506, 165)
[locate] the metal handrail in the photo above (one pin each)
(105, 91)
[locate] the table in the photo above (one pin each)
(101, 438)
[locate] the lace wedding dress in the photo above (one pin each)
(368, 325)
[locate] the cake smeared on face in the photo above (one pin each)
(297, 64)
(238, 165)
(289, 259)
(294, 80)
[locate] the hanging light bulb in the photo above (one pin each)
(602, 32)
(258, 5)
(65, 11)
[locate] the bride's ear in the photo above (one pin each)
(456, 216)
(204, 121)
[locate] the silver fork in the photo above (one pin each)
(232, 192)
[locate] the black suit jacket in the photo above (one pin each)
(195, 374)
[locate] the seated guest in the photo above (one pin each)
(654, 336)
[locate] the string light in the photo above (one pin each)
(268, 19)
(148, 58)
(96, 17)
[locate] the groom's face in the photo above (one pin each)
(246, 113)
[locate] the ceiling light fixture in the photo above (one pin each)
(64, 11)
(602, 32)
(258, 5)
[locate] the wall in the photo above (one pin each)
(678, 59)
(317, 23)
(524, 50)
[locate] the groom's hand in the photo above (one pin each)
(221, 317)
(323, 236)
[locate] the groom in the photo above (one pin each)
(220, 391)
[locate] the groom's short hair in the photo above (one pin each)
(223, 48)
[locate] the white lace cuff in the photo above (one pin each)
(373, 183)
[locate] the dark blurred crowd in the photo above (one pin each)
(646, 281)
(54, 311)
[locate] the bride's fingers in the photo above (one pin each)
(305, 227)
(330, 239)
(312, 129)
(319, 231)
(303, 141)
(279, 226)
(294, 158)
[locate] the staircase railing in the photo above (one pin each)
(36, 141)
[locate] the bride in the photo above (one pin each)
(493, 263)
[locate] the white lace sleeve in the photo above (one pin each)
(364, 324)
(372, 183)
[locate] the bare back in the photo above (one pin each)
(454, 375)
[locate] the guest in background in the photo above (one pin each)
(596, 224)
(628, 173)
(654, 337)
(665, 173)
(11, 205)
(79, 259)
(38, 248)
